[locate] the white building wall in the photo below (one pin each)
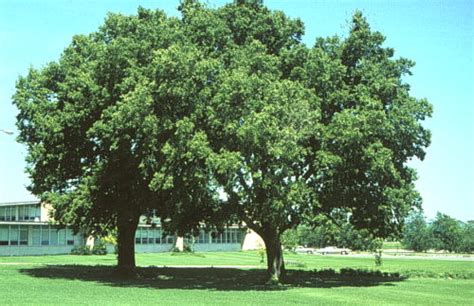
(45, 209)
(24, 250)
(252, 241)
(206, 245)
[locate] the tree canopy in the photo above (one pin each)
(443, 233)
(223, 115)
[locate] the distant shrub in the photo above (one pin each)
(175, 249)
(356, 274)
(187, 248)
(99, 249)
(378, 258)
(81, 250)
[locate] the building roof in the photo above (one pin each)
(19, 203)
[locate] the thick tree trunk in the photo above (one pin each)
(127, 226)
(275, 263)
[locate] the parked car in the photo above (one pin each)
(305, 250)
(333, 250)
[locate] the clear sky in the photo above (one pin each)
(437, 35)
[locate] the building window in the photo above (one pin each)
(62, 236)
(138, 239)
(12, 213)
(69, 236)
(158, 236)
(53, 236)
(144, 236)
(151, 236)
(28, 212)
(22, 213)
(14, 235)
(36, 239)
(44, 235)
(169, 239)
(23, 235)
(8, 213)
(3, 212)
(229, 235)
(203, 237)
(3, 234)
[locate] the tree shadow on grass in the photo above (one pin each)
(223, 279)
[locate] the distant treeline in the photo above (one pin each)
(442, 233)
(340, 234)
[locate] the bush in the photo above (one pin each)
(99, 249)
(175, 250)
(378, 258)
(187, 248)
(81, 250)
(327, 233)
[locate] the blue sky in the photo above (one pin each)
(437, 35)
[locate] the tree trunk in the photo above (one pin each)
(275, 263)
(127, 226)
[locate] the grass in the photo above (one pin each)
(392, 245)
(74, 280)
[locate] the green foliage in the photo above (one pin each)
(188, 248)
(261, 254)
(378, 258)
(467, 240)
(299, 132)
(447, 233)
(219, 116)
(81, 250)
(320, 236)
(111, 239)
(357, 239)
(417, 235)
(444, 233)
(99, 249)
(329, 234)
(175, 249)
(109, 133)
(290, 239)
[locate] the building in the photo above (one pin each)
(26, 229)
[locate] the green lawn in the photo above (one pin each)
(90, 280)
(392, 245)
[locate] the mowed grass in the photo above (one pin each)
(74, 280)
(392, 245)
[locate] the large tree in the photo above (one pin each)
(298, 133)
(417, 234)
(109, 137)
(223, 115)
(447, 233)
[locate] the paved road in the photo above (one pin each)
(405, 256)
